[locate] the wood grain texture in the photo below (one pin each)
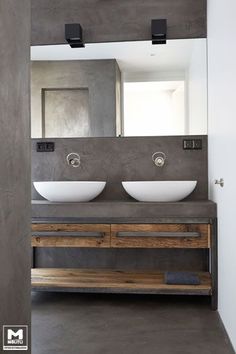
(71, 241)
(67, 241)
(110, 235)
(160, 242)
(108, 21)
(71, 227)
(115, 280)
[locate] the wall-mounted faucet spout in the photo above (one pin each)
(73, 159)
(159, 158)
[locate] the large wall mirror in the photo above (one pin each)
(119, 89)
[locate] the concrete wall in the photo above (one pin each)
(15, 163)
(149, 259)
(98, 77)
(122, 159)
(65, 113)
(107, 21)
(222, 134)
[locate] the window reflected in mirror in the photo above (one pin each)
(154, 108)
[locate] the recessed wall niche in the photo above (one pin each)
(65, 112)
(74, 98)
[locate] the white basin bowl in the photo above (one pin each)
(69, 191)
(159, 191)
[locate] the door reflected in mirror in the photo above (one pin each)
(119, 89)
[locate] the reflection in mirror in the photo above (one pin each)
(154, 108)
(119, 89)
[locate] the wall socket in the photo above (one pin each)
(45, 146)
(192, 144)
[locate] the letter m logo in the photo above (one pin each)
(18, 334)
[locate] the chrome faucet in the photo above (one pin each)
(159, 158)
(73, 159)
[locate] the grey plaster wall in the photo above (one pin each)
(99, 77)
(122, 159)
(65, 113)
(148, 259)
(105, 21)
(15, 163)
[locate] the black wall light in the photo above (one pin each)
(74, 35)
(159, 30)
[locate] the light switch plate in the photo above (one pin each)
(192, 144)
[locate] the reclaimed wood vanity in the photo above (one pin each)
(159, 233)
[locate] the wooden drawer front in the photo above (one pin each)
(160, 235)
(70, 235)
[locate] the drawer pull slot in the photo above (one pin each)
(157, 234)
(69, 233)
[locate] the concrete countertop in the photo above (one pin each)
(123, 211)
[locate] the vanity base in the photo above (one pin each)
(163, 235)
(114, 281)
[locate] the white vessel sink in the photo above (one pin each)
(159, 191)
(69, 191)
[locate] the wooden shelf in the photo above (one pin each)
(113, 281)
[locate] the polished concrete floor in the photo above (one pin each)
(125, 324)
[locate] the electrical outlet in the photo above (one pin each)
(187, 144)
(197, 144)
(192, 144)
(45, 146)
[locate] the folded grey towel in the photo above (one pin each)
(182, 278)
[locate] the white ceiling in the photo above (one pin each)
(131, 56)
